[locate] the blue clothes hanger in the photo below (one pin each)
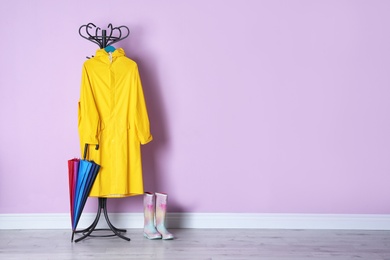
(110, 48)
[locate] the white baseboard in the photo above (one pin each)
(205, 220)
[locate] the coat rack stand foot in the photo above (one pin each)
(88, 231)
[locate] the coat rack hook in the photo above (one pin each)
(114, 34)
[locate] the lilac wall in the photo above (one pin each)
(256, 106)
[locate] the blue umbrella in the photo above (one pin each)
(86, 175)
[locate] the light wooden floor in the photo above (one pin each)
(200, 244)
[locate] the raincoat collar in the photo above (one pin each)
(102, 54)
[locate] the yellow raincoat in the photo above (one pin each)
(112, 113)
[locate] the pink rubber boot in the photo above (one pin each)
(150, 231)
(161, 210)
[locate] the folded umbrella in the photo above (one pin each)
(82, 175)
(87, 173)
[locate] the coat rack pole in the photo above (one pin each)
(104, 38)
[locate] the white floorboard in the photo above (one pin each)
(207, 220)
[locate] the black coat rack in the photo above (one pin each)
(115, 34)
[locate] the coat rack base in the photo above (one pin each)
(92, 228)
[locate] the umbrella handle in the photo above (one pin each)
(86, 149)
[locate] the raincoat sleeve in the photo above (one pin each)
(141, 115)
(88, 116)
